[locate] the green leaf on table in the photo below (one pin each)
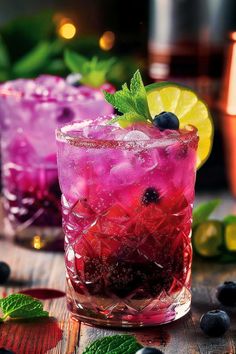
(21, 306)
(117, 344)
(229, 219)
(131, 102)
(203, 211)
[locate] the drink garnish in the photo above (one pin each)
(93, 71)
(166, 105)
(21, 307)
(130, 102)
(188, 108)
(117, 344)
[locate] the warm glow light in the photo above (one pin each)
(67, 30)
(37, 242)
(107, 40)
(233, 36)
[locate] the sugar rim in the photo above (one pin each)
(63, 135)
(14, 92)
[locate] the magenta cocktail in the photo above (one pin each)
(30, 111)
(127, 208)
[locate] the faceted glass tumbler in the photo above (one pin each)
(127, 213)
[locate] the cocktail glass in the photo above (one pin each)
(127, 212)
(30, 110)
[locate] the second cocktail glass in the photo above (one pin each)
(30, 110)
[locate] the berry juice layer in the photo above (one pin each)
(30, 111)
(127, 209)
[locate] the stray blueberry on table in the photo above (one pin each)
(150, 196)
(215, 323)
(166, 120)
(226, 293)
(4, 272)
(149, 350)
(6, 351)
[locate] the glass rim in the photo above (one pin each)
(63, 135)
(20, 95)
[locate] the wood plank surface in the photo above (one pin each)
(60, 334)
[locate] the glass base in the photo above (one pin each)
(41, 238)
(124, 316)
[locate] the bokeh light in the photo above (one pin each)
(107, 40)
(67, 30)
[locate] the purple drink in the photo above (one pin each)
(127, 208)
(30, 111)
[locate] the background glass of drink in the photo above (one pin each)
(30, 110)
(127, 208)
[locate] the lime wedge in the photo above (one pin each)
(230, 237)
(208, 238)
(188, 107)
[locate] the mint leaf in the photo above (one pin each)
(21, 306)
(74, 61)
(137, 90)
(131, 102)
(229, 219)
(117, 344)
(121, 101)
(93, 71)
(203, 211)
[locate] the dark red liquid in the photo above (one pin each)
(45, 203)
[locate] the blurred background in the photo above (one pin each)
(187, 41)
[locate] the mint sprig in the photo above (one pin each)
(117, 344)
(131, 102)
(22, 307)
(93, 71)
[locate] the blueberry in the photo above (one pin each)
(6, 351)
(149, 350)
(166, 120)
(226, 293)
(215, 323)
(4, 272)
(66, 115)
(150, 196)
(76, 84)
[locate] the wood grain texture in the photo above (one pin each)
(62, 335)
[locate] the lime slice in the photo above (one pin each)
(230, 237)
(188, 107)
(208, 238)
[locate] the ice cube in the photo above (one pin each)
(124, 172)
(21, 151)
(135, 135)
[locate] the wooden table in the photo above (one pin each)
(60, 334)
